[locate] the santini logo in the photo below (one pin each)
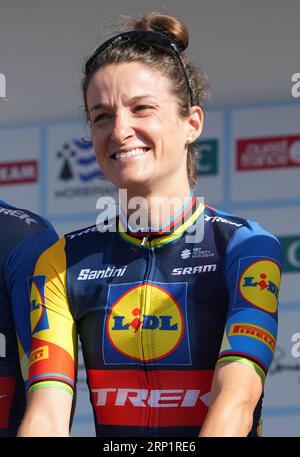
(109, 272)
(194, 270)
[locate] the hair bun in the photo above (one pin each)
(169, 25)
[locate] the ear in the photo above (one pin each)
(194, 124)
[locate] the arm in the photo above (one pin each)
(18, 274)
(47, 414)
(252, 278)
(236, 390)
(53, 357)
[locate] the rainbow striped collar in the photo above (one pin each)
(171, 231)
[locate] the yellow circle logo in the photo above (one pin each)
(37, 310)
(259, 285)
(146, 323)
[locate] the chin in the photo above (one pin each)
(131, 182)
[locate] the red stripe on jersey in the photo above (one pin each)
(162, 399)
(49, 359)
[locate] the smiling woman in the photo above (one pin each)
(156, 83)
(177, 332)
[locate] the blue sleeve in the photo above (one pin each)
(18, 276)
(252, 275)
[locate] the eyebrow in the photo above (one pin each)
(130, 101)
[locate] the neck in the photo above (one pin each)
(150, 210)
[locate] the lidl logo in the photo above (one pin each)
(38, 313)
(207, 157)
(259, 284)
(146, 322)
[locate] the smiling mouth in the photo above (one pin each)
(132, 153)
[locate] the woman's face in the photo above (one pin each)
(139, 137)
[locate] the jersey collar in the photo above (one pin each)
(171, 231)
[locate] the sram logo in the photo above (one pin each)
(194, 270)
(156, 398)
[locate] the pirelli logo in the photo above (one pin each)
(253, 331)
(38, 354)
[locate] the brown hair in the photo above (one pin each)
(163, 61)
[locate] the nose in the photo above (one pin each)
(122, 128)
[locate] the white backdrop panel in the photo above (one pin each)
(211, 186)
(75, 181)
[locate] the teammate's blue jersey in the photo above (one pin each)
(155, 314)
(23, 237)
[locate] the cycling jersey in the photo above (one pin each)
(23, 237)
(155, 313)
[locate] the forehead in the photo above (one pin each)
(128, 80)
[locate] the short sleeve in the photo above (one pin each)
(18, 275)
(53, 355)
(252, 276)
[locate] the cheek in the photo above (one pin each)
(99, 152)
(99, 139)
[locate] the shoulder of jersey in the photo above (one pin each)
(228, 224)
(24, 217)
(224, 220)
(91, 231)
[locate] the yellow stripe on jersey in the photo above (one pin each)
(164, 239)
(250, 363)
(54, 337)
(24, 361)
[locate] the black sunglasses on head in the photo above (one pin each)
(145, 37)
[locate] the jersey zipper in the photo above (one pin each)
(147, 299)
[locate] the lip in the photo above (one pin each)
(127, 150)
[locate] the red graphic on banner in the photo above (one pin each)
(7, 389)
(163, 398)
(21, 172)
(268, 153)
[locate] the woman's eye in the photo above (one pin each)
(101, 117)
(142, 108)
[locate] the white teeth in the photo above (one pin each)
(132, 153)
